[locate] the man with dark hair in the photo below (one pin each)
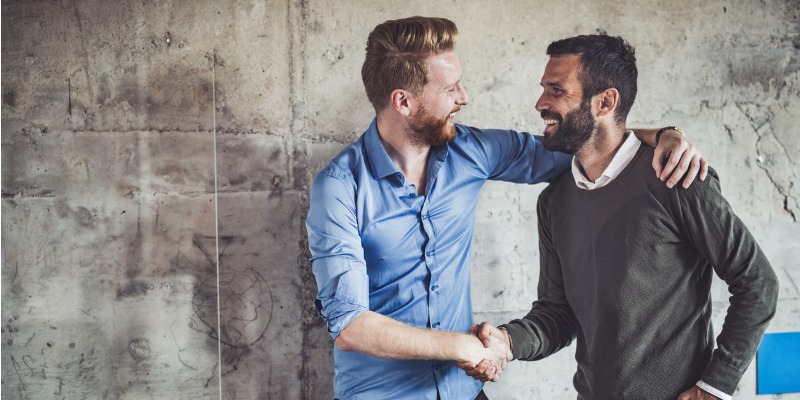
(625, 262)
(391, 220)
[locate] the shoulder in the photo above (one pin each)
(338, 177)
(345, 165)
(557, 190)
(698, 188)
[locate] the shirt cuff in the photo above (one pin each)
(710, 389)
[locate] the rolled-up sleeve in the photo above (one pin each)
(337, 256)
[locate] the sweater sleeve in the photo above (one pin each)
(721, 237)
(550, 325)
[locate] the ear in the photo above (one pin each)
(607, 102)
(401, 101)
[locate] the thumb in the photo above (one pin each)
(658, 160)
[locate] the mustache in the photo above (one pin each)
(547, 114)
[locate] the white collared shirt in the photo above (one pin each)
(621, 160)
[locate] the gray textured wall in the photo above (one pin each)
(113, 174)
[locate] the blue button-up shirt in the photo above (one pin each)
(377, 245)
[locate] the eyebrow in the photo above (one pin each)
(456, 82)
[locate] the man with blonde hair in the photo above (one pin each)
(391, 220)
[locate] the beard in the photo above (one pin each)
(429, 130)
(574, 130)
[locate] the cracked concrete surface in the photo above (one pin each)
(156, 160)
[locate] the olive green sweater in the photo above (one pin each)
(626, 269)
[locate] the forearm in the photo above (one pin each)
(722, 238)
(545, 330)
(752, 306)
(380, 336)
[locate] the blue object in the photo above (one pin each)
(778, 363)
(377, 245)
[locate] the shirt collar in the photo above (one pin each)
(621, 160)
(379, 161)
(382, 166)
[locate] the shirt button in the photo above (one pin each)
(435, 287)
(430, 253)
(435, 324)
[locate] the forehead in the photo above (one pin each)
(444, 68)
(562, 70)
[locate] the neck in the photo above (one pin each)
(595, 155)
(409, 157)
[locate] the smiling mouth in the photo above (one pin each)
(550, 124)
(451, 117)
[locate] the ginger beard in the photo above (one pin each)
(429, 130)
(573, 131)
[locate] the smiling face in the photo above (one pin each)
(433, 122)
(568, 118)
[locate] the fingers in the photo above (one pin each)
(658, 160)
(486, 331)
(694, 168)
(484, 371)
(678, 164)
(687, 395)
(465, 365)
(703, 169)
(473, 329)
(675, 158)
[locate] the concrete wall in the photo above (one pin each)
(113, 174)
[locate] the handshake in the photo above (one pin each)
(486, 357)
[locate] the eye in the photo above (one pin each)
(452, 89)
(557, 91)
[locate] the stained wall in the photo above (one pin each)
(156, 158)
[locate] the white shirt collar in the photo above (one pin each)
(621, 160)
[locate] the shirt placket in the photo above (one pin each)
(429, 254)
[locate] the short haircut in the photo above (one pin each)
(606, 62)
(398, 52)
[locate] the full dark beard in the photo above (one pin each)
(428, 130)
(573, 130)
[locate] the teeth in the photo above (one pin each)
(550, 122)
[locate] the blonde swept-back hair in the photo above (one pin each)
(397, 55)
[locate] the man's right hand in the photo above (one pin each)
(499, 354)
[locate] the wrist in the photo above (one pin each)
(507, 338)
(468, 348)
(666, 129)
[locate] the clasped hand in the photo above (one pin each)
(496, 350)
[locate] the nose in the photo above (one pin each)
(542, 103)
(463, 98)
